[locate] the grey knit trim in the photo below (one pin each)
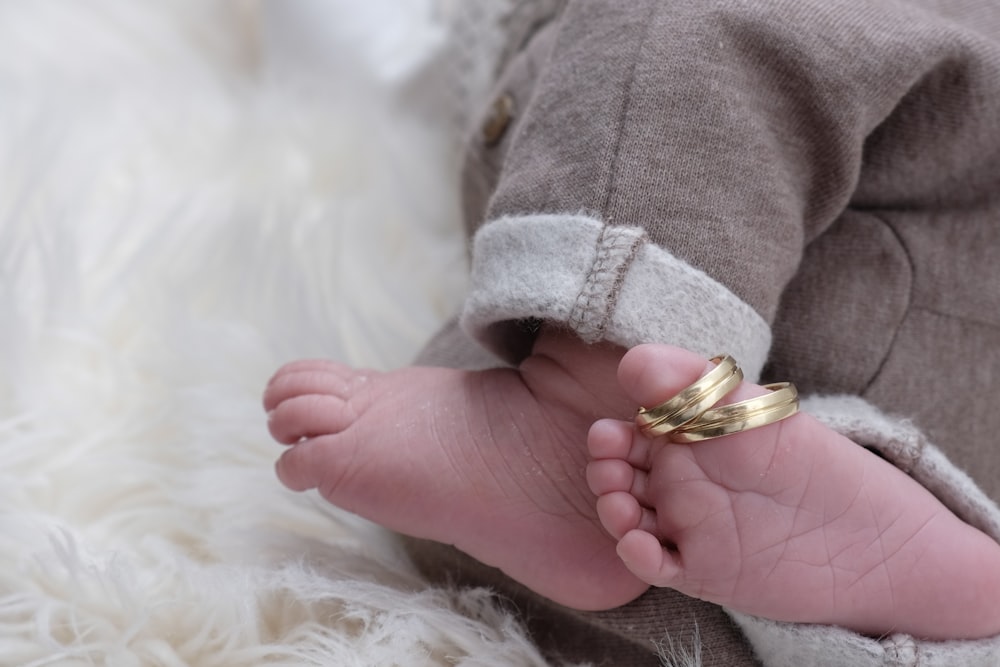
(605, 283)
(778, 644)
(616, 248)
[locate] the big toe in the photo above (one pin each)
(651, 374)
(311, 376)
(309, 416)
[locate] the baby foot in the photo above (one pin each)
(791, 522)
(492, 462)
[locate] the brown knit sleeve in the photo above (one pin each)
(735, 133)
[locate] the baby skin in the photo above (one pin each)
(791, 521)
(492, 462)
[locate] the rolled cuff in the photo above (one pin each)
(793, 645)
(790, 644)
(605, 283)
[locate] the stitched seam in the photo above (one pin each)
(951, 316)
(889, 446)
(909, 300)
(581, 305)
(613, 158)
(619, 279)
(907, 447)
(600, 290)
(901, 651)
(910, 456)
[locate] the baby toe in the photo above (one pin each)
(609, 475)
(309, 416)
(647, 559)
(303, 466)
(609, 439)
(614, 439)
(620, 512)
(325, 365)
(304, 381)
(651, 374)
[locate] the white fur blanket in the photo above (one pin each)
(191, 193)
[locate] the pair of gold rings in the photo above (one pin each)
(689, 416)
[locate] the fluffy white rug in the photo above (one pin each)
(191, 193)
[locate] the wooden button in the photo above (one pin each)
(498, 121)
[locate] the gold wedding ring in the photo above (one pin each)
(781, 403)
(691, 401)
